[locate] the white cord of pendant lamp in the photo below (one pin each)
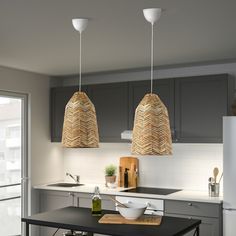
(152, 15)
(152, 49)
(80, 24)
(151, 132)
(80, 121)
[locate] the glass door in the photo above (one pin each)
(13, 162)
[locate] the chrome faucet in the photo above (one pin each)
(75, 177)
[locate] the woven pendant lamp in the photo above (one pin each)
(151, 131)
(80, 128)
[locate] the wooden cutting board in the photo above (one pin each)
(130, 163)
(118, 219)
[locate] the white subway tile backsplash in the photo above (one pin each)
(189, 167)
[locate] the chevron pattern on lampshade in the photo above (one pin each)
(80, 128)
(151, 132)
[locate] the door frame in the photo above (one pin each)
(25, 150)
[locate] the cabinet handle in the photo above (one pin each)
(174, 135)
(173, 132)
(71, 194)
(190, 204)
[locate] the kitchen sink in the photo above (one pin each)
(65, 185)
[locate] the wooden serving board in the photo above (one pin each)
(118, 219)
(130, 163)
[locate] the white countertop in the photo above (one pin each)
(184, 195)
(86, 188)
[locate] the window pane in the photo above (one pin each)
(10, 140)
(10, 165)
(10, 217)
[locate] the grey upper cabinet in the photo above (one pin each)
(59, 99)
(164, 88)
(196, 106)
(200, 104)
(111, 104)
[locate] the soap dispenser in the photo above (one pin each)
(126, 178)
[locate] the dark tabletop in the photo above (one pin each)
(77, 218)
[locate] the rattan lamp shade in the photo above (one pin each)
(80, 128)
(151, 132)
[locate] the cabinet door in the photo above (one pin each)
(59, 99)
(164, 88)
(51, 200)
(208, 227)
(209, 213)
(84, 200)
(201, 102)
(111, 104)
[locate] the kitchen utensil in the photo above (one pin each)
(209, 185)
(211, 180)
(133, 210)
(119, 203)
(221, 177)
(143, 220)
(214, 190)
(120, 179)
(215, 173)
(132, 172)
(130, 163)
(136, 176)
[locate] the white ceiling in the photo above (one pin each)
(37, 35)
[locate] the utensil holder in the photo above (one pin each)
(214, 189)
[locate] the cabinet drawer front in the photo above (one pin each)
(85, 200)
(192, 208)
(153, 204)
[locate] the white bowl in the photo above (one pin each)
(133, 212)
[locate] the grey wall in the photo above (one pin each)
(45, 158)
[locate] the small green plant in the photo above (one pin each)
(110, 170)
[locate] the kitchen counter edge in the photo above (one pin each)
(183, 195)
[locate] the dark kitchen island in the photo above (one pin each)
(77, 218)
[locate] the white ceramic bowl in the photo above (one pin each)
(133, 212)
